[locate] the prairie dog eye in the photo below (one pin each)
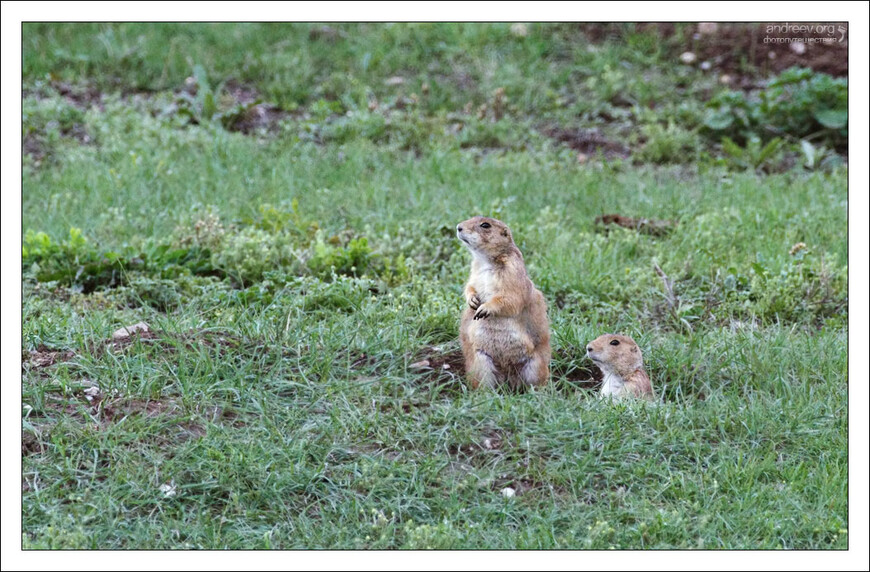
(485, 225)
(614, 342)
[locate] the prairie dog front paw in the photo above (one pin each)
(483, 312)
(474, 301)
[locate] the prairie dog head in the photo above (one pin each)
(615, 353)
(485, 236)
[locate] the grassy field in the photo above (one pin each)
(277, 204)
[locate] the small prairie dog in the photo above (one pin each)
(504, 332)
(620, 360)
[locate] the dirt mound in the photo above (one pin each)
(773, 47)
(744, 49)
(587, 142)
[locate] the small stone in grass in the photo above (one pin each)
(491, 443)
(92, 393)
(128, 331)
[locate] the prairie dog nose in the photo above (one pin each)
(458, 229)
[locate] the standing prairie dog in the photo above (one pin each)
(504, 332)
(620, 360)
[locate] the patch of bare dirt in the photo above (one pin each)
(245, 110)
(33, 145)
(731, 48)
(83, 96)
(435, 359)
(258, 117)
(584, 375)
(439, 368)
(43, 357)
(742, 50)
(241, 93)
(588, 142)
(248, 113)
(643, 225)
(31, 444)
(326, 33)
(192, 430)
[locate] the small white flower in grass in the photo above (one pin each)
(688, 58)
(508, 492)
(168, 489)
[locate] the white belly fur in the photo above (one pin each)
(613, 386)
(484, 279)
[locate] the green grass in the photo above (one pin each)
(272, 405)
(348, 61)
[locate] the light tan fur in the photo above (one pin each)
(621, 361)
(505, 333)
